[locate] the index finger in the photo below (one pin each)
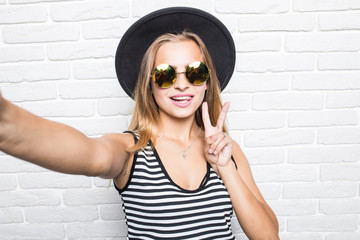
(221, 120)
(205, 116)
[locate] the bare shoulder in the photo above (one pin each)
(238, 154)
(121, 140)
(116, 152)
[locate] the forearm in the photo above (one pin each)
(256, 219)
(49, 144)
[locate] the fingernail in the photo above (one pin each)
(211, 150)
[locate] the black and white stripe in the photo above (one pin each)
(156, 208)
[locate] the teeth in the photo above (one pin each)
(181, 98)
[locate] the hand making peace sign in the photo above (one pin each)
(218, 147)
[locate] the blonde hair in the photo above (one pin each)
(146, 115)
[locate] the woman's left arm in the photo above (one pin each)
(253, 213)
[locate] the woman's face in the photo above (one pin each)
(182, 99)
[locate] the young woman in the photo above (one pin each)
(179, 173)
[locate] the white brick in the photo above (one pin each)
(68, 108)
(256, 120)
(253, 83)
(339, 61)
(239, 102)
(348, 99)
(339, 135)
(281, 22)
(82, 50)
(90, 89)
(323, 224)
(323, 42)
(237, 136)
(343, 236)
(52, 180)
(247, 6)
(35, 72)
(9, 164)
(142, 7)
(32, 231)
(10, 215)
(94, 70)
(73, 197)
(274, 62)
(29, 91)
(300, 236)
(61, 214)
(99, 230)
(281, 137)
(323, 118)
(112, 212)
(284, 173)
(354, 4)
(90, 10)
(319, 190)
(270, 191)
(340, 206)
(7, 182)
(282, 223)
(40, 33)
(342, 172)
(29, 198)
(115, 106)
(97, 126)
(34, 1)
(17, 54)
(333, 154)
(105, 29)
(339, 21)
(228, 21)
(326, 81)
(101, 182)
(288, 101)
(28, 14)
(257, 43)
(320, 5)
(293, 207)
(265, 156)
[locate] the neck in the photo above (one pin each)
(182, 130)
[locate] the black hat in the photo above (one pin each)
(143, 32)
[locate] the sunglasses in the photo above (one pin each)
(164, 75)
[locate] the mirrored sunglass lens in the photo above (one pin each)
(164, 76)
(197, 73)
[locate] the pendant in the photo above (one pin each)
(184, 155)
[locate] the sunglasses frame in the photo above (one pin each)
(176, 74)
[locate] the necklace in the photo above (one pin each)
(184, 155)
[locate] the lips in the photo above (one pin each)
(182, 100)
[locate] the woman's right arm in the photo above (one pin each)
(59, 147)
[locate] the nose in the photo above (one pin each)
(181, 82)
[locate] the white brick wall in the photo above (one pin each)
(295, 109)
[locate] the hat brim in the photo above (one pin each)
(143, 32)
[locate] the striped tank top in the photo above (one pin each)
(156, 208)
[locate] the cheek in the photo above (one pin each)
(158, 93)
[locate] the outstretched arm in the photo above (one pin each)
(59, 147)
(253, 213)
